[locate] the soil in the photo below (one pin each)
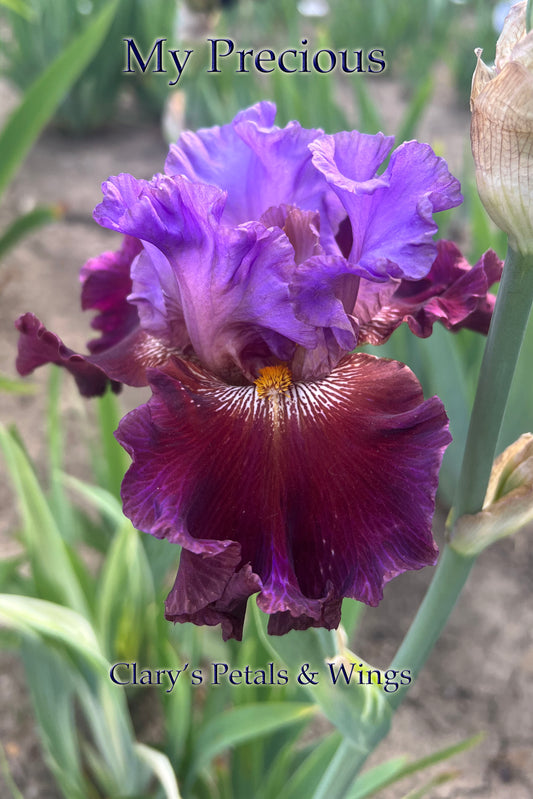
(480, 675)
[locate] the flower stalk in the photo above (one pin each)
(506, 333)
(505, 337)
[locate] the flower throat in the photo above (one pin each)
(273, 380)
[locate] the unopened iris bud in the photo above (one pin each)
(502, 131)
(508, 505)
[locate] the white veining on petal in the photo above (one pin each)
(300, 402)
(152, 352)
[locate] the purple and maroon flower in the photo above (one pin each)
(283, 463)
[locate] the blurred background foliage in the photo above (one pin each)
(262, 746)
(415, 36)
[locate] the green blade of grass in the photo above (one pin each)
(370, 119)
(61, 508)
(304, 779)
(126, 596)
(50, 559)
(19, 7)
(42, 215)
(241, 724)
(53, 624)
(160, 765)
(9, 572)
(115, 458)
(10, 385)
(45, 94)
(427, 789)
(376, 779)
(416, 108)
(49, 679)
(6, 774)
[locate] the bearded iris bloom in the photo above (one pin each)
(283, 463)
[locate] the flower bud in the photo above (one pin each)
(502, 131)
(508, 505)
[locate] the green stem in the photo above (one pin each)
(432, 615)
(529, 15)
(23, 225)
(499, 361)
(344, 768)
(504, 340)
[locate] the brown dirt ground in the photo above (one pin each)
(480, 675)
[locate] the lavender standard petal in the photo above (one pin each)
(390, 214)
(228, 287)
(258, 164)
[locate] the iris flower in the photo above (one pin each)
(281, 461)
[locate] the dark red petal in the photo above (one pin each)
(128, 360)
(453, 293)
(125, 362)
(211, 591)
(322, 493)
(38, 346)
(281, 623)
(106, 283)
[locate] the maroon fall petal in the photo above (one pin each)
(38, 346)
(306, 494)
(281, 623)
(106, 284)
(211, 591)
(128, 360)
(125, 362)
(453, 293)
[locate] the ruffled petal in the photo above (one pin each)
(306, 495)
(125, 362)
(390, 214)
(453, 293)
(324, 290)
(226, 288)
(258, 164)
(38, 346)
(210, 591)
(129, 359)
(300, 227)
(218, 156)
(106, 283)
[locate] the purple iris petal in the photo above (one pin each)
(258, 164)
(323, 490)
(301, 228)
(209, 591)
(228, 287)
(324, 291)
(453, 293)
(124, 350)
(390, 214)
